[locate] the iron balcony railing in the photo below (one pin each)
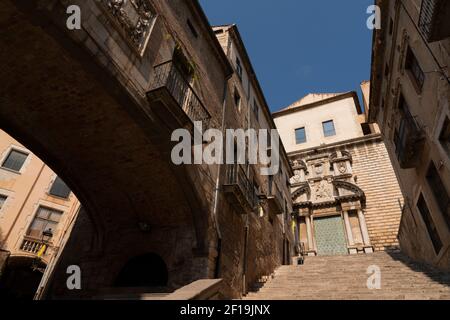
(168, 75)
(236, 176)
(433, 19)
(427, 14)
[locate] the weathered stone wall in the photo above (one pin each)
(111, 144)
(376, 177)
(428, 104)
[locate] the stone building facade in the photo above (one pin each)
(37, 209)
(133, 73)
(410, 100)
(268, 239)
(345, 193)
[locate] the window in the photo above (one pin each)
(412, 65)
(192, 28)
(2, 201)
(239, 68)
(386, 71)
(429, 223)
(366, 129)
(439, 191)
(444, 138)
(59, 189)
(256, 110)
(15, 160)
(328, 128)
(300, 136)
(237, 99)
(46, 219)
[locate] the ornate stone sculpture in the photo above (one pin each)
(134, 17)
(342, 167)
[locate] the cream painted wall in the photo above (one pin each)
(25, 192)
(342, 112)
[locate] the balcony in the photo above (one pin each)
(275, 199)
(434, 20)
(32, 245)
(174, 100)
(409, 142)
(240, 189)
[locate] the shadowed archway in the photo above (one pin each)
(147, 270)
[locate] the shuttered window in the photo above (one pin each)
(59, 189)
(46, 219)
(15, 160)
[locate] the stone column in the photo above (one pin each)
(348, 227)
(309, 232)
(364, 232)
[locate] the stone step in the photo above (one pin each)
(345, 277)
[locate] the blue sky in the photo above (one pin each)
(301, 46)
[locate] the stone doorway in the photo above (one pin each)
(330, 236)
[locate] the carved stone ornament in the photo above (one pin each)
(296, 178)
(318, 168)
(323, 190)
(342, 167)
(135, 17)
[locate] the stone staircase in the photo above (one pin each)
(345, 278)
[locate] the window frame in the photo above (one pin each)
(444, 136)
(325, 131)
(438, 191)
(239, 69)
(8, 155)
(427, 219)
(59, 180)
(304, 135)
(237, 99)
(47, 220)
(414, 70)
(255, 109)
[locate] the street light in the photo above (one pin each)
(45, 239)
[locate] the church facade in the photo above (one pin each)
(345, 193)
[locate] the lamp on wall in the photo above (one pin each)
(47, 235)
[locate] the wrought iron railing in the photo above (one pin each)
(170, 76)
(237, 176)
(427, 16)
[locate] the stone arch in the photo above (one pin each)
(148, 270)
(353, 192)
(21, 277)
(304, 189)
(106, 141)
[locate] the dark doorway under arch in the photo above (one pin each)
(147, 270)
(21, 279)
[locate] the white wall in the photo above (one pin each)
(342, 112)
